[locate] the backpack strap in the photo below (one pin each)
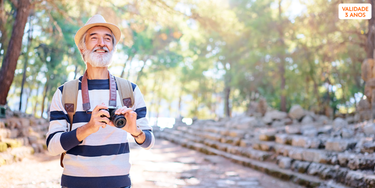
(69, 101)
(125, 90)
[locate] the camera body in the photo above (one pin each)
(118, 120)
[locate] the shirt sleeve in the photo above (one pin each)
(59, 139)
(142, 122)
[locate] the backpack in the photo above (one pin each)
(70, 94)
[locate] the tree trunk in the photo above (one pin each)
(36, 99)
(140, 73)
(75, 71)
(30, 38)
(27, 98)
(4, 34)
(226, 95)
(129, 59)
(44, 98)
(14, 48)
(282, 62)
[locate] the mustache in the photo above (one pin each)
(100, 48)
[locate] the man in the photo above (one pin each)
(97, 152)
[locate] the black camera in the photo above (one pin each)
(118, 120)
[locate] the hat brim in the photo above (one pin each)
(115, 30)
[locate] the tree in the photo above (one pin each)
(15, 43)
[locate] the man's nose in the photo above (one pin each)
(101, 42)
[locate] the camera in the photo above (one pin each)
(118, 120)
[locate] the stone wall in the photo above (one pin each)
(298, 146)
(21, 135)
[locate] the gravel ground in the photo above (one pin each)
(166, 165)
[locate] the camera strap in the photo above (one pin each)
(85, 92)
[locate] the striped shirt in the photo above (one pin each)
(101, 159)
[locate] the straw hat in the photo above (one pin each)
(97, 20)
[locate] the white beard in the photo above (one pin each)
(96, 59)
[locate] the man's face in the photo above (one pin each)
(99, 37)
(99, 47)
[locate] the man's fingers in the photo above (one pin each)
(131, 114)
(99, 107)
(103, 125)
(123, 111)
(105, 113)
(104, 120)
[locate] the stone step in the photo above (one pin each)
(12, 155)
(286, 167)
(265, 167)
(286, 174)
(264, 145)
(350, 160)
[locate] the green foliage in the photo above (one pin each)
(191, 51)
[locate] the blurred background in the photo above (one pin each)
(202, 59)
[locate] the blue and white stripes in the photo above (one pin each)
(102, 159)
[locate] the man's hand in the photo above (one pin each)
(99, 118)
(131, 117)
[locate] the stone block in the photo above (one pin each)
(4, 133)
(282, 149)
(296, 112)
(12, 143)
(347, 133)
(300, 166)
(361, 161)
(268, 136)
(339, 122)
(13, 122)
(370, 180)
(339, 144)
(256, 154)
(355, 179)
(14, 133)
(293, 129)
(278, 123)
(325, 130)
(283, 139)
(24, 122)
(343, 158)
(314, 169)
(246, 143)
(306, 142)
(236, 133)
(368, 147)
(296, 154)
(328, 173)
(323, 119)
(369, 129)
(284, 162)
(276, 115)
(267, 146)
(307, 120)
(310, 132)
(341, 175)
(3, 146)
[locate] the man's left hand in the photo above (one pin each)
(131, 117)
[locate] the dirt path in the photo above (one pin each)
(166, 165)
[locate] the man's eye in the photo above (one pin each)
(93, 38)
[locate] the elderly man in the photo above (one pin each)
(97, 152)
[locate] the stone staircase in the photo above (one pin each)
(312, 155)
(20, 137)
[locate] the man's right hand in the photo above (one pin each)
(99, 118)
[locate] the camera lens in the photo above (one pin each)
(119, 121)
